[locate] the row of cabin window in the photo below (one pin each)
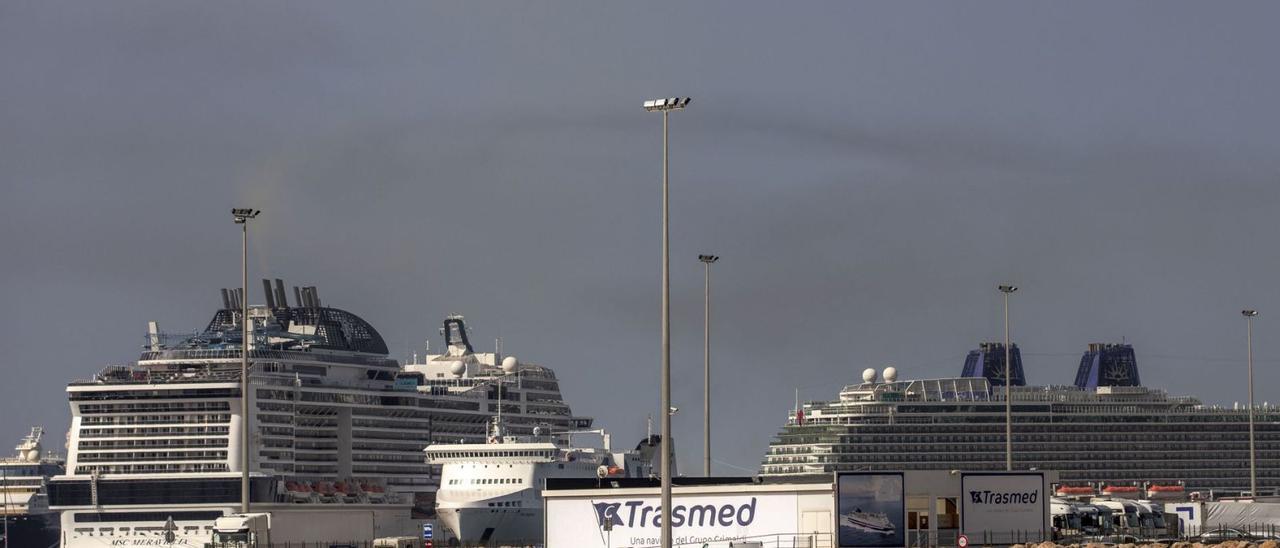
(471, 454)
(487, 481)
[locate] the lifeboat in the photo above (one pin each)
(1121, 491)
(1074, 491)
(1164, 492)
(299, 492)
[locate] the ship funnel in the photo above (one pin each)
(226, 299)
(455, 334)
(310, 297)
(297, 297)
(269, 294)
(153, 336)
(1108, 364)
(282, 299)
(988, 361)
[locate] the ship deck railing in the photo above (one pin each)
(182, 354)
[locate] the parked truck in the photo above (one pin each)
(242, 531)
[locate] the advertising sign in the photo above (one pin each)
(999, 504)
(617, 522)
(871, 510)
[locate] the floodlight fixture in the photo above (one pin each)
(244, 214)
(708, 258)
(670, 103)
(1249, 312)
(1007, 288)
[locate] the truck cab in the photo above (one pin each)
(1151, 515)
(1095, 520)
(1066, 518)
(1124, 515)
(242, 531)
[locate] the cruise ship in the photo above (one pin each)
(24, 504)
(1106, 430)
(492, 492)
(337, 428)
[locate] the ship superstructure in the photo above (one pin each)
(1106, 429)
(24, 504)
(337, 427)
(492, 492)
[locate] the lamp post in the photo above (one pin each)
(242, 217)
(706, 363)
(4, 483)
(665, 106)
(1249, 314)
(1008, 382)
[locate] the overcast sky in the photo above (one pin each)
(868, 172)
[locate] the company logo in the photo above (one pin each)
(635, 513)
(1003, 497)
(607, 512)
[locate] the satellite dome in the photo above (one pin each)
(458, 368)
(869, 375)
(890, 374)
(32, 455)
(510, 364)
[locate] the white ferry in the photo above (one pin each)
(874, 522)
(24, 504)
(336, 427)
(491, 493)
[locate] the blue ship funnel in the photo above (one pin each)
(1108, 364)
(988, 361)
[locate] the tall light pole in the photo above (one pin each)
(242, 217)
(665, 106)
(1249, 314)
(4, 482)
(706, 363)
(1008, 382)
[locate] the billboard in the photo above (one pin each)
(994, 505)
(624, 521)
(871, 510)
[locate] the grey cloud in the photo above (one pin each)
(868, 172)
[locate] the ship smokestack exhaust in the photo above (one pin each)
(281, 298)
(226, 299)
(1108, 364)
(269, 294)
(988, 361)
